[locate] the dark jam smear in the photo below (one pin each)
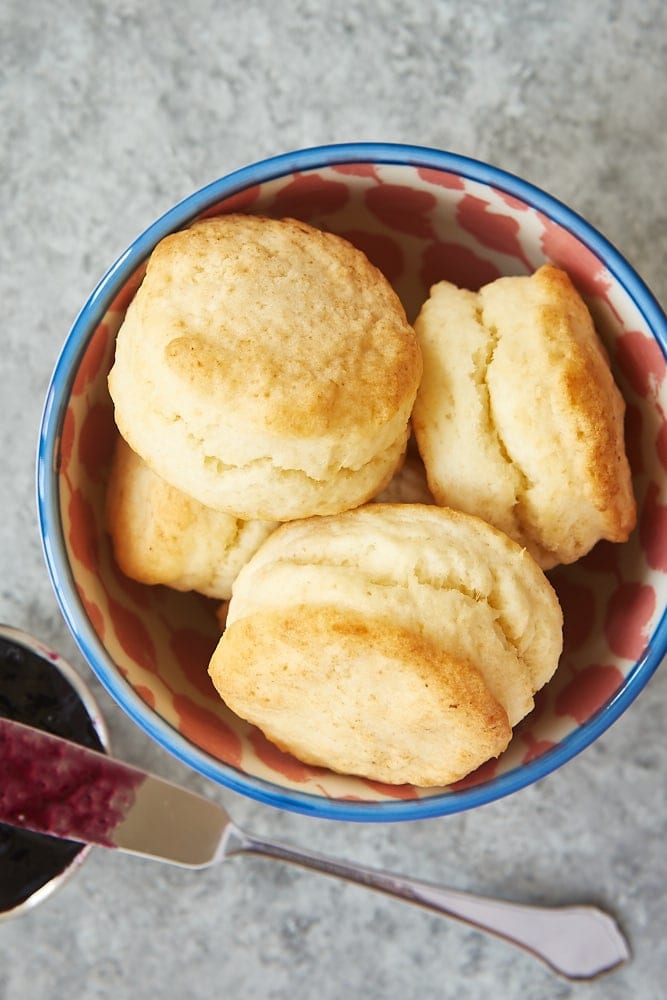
(59, 788)
(34, 692)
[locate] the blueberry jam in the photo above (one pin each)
(34, 691)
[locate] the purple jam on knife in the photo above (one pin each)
(34, 691)
(52, 786)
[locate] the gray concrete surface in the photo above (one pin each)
(110, 113)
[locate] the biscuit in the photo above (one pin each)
(161, 536)
(400, 642)
(518, 418)
(266, 368)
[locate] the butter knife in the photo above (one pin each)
(52, 786)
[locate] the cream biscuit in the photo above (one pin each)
(162, 536)
(401, 642)
(518, 418)
(266, 368)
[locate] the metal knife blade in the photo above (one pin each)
(52, 786)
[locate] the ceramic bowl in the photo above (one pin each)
(420, 215)
(38, 688)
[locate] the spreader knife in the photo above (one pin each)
(52, 786)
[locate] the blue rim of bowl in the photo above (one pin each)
(53, 543)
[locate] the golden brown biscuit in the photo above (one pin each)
(160, 535)
(392, 616)
(266, 368)
(518, 418)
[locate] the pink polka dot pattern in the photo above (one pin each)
(419, 225)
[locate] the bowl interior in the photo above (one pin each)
(151, 646)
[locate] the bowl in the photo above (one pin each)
(38, 688)
(420, 215)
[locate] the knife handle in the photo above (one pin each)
(578, 942)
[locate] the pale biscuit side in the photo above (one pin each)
(452, 418)
(161, 536)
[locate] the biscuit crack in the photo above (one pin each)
(493, 338)
(220, 467)
(522, 482)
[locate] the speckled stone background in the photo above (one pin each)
(110, 113)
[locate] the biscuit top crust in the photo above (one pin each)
(358, 695)
(277, 322)
(577, 441)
